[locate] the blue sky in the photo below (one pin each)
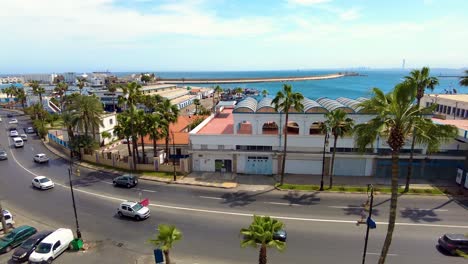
(197, 35)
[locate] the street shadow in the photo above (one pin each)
(420, 215)
(242, 198)
(294, 197)
(444, 252)
(127, 219)
(357, 209)
(85, 181)
(386, 200)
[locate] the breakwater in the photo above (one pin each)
(254, 80)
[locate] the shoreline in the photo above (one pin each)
(253, 80)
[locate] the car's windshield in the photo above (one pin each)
(137, 207)
(28, 243)
(2, 152)
(44, 180)
(10, 236)
(43, 248)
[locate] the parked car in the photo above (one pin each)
(23, 252)
(134, 210)
(16, 237)
(3, 155)
(52, 246)
(24, 137)
(42, 183)
(30, 130)
(13, 133)
(13, 121)
(125, 180)
(9, 115)
(453, 242)
(8, 219)
(41, 158)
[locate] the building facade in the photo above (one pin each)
(449, 106)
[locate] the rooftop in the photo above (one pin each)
(454, 97)
(222, 123)
(459, 123)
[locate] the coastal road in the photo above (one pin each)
(321, 227)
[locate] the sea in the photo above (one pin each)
(350, 86)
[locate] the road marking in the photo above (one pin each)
(410, 209)
(391, 255)
(151, 191)
(289, 204)
(213, 198)
(234, 213)
(107, 182)
(346, 207)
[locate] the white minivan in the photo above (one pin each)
(52, 246)
(19, 143)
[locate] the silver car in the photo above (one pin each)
(134, 210)
(3, 155)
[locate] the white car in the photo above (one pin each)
(8, 219)
(134, 210)
(52, 246)
(13, 121)
(41, 158)
(14, 133)
(24, 137)
(42, 182)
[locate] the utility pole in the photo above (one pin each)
(173, 155)
(370, 188)
(2, 219)
(78, 232)
(325, 143)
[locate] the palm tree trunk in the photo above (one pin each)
(333, 162)
(166, 257)
(262, 259)
(136, 158)
(40, 99)
(410, 162)
(128, 147)
(285, 131)
(155, 151)
(167, 148)
(393, 207)
(143, 149)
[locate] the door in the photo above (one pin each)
(259, 165)
(57, 249)
(36, 183)
(17, 238)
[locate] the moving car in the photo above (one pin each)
(3, 155)
(8, 219)
(30, 130)
(280, 235)
(18, 142)
(24, 137)
(41, 158)
(9, 115)
(52, 246)
(16, 237)
(134, 210)
(453, 242)
(23, 252)
(42, 183)
(13, 133)
(13, 121)
(125, 180)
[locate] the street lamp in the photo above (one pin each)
(77, 173)
(325, 144)
(370, 188)
(173, 155)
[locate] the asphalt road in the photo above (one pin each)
(321, 227)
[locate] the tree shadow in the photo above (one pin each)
(420, 215)
(357, 209)
(386, 200)
(294, 197)
(88, 180)
(241, 198)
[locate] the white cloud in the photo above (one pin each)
(350, 14)
(307, 2)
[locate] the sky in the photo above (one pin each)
(230, 35)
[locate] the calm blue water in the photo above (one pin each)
(351, 87)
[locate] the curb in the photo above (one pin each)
(224, 185)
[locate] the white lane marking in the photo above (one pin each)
(151, 191)
(391, 255)
(237, 214)
(410, 209)
(209, 197)
(289, 204)
(346, 207)
(106, 182)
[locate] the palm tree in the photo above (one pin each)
(169, 114)
(339, 124)
(61, 88)
(151, 101)
(217, 90)
(421, 81)
(112, 88)
(396, 119)
(122, 129)
(264, 93)
(154, 123)
(37, 90)
(81, 84)
(196, 102)
(285, 101)
(239, 90)
(69, 122)
(87, 111)
(132, 96)
(261, 232)
(166, 237)
(464, 79)
(142, 128)
(21, 96)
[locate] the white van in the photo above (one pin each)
(19, 143)
(52, 246)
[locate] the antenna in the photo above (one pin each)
(403, 64)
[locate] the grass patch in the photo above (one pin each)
(158, 174)
(355, 189)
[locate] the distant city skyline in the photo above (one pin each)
(199, 35)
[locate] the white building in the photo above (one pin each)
(249, 139)
(42, 78)
(11, 79)
(109, 121)
(69, 77)
(449, 106)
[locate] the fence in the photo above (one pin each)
(57, 140)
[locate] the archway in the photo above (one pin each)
(270, 128)
(315, 128)
(292, 128)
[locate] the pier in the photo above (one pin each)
(255, 80)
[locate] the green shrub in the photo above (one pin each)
(427, 190)
(360, 189)
(342, 188)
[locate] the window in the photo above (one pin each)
(204, 146)
(255, 148)
(449, 110)
(462, 113)
(57, 245)
(220, 147)
(111, 121)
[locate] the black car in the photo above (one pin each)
(22, 253)
(453, 242)
(280, 235)
(9, 115)
(125, 180)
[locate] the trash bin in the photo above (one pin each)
(77, 243)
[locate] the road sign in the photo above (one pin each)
(158, 256)
(371, 223)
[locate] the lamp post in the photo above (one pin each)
(325, 143)
(173, 155)
(78, 233)
(370, 188)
